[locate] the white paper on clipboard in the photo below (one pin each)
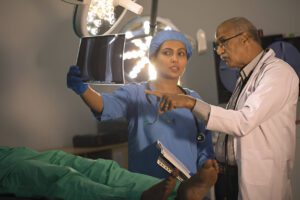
(169, 162)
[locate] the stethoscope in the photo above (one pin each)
(200, 135)
(244, 82)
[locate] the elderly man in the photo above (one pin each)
(256, 140)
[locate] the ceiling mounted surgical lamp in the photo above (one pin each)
(100, 17)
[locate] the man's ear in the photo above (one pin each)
(245, 38)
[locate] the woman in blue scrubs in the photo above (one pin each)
(178, 130)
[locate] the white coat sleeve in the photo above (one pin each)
(271, 92)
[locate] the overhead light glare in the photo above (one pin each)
(103, 15)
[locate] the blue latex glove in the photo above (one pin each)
(75, 82)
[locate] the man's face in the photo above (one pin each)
(229, 46)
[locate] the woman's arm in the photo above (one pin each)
(93, 99)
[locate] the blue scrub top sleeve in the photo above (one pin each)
(116, 104)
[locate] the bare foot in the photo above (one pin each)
(198, 185)
(162, 190)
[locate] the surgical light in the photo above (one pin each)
(100, 17)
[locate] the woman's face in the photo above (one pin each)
(170, 60)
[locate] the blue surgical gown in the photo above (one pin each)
(176, 129)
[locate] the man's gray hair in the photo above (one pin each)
(242, 24)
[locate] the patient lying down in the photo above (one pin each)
(56, 174)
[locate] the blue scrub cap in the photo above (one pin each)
(166, 35)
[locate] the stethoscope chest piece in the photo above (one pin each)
(200, 137)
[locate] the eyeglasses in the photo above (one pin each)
(223, 42)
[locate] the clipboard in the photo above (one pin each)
(169, 162)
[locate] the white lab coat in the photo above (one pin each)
(264, 129)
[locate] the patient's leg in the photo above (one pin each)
(30, 178)
(102, 171)
(59, 175)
